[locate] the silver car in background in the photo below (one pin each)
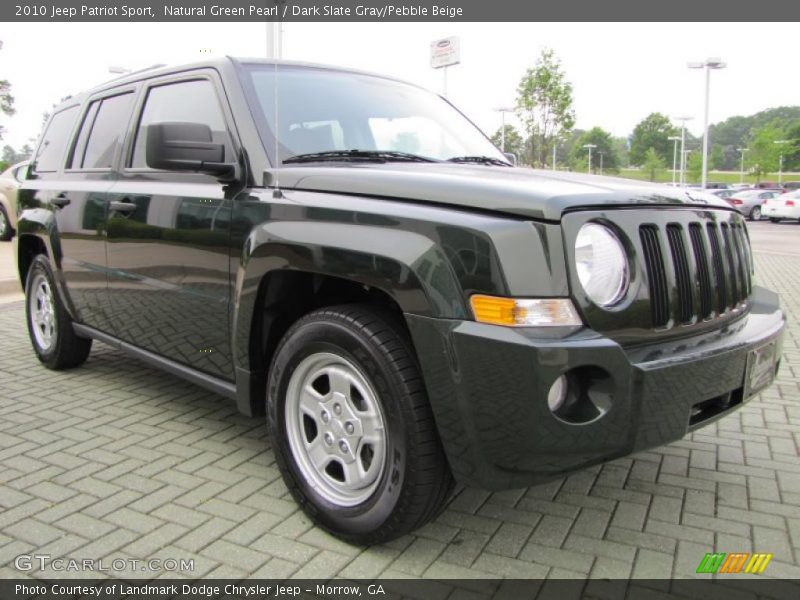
(748, 202)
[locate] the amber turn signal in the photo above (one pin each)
(519, 312)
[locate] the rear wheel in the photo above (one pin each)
(6, 232)
(49, 323)
(755, 213)
(774, 220)
(351, 426)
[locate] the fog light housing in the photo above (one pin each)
(557, 393)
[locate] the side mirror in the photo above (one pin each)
(512, 158)
(186, 147)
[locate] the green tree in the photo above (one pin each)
(653, 164)
(544, 105)
(653, 132)
(621, 148)
(604, 146)
(514, 143)
(764, 155)
(791, 158)
(694, 166)
(716, 159)
(6, 101)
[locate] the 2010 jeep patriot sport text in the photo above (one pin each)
(357, 262)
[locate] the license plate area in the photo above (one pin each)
(760, 368)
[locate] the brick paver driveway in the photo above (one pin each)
(116, 460)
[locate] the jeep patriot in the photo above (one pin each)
(348, 256)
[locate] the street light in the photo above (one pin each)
(682, 178)
(503, 110)
(674, 139)
(780, 163)
(741, 172)
(708, 65)
(590, 146)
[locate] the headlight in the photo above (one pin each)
(601, 264)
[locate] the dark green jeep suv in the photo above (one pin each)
(348, 256)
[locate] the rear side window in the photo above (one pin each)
(102, 128)
(185, 102)
(50, 156)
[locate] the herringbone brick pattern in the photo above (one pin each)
(117, 460)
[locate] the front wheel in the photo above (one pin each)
(49, 323)
(774, 220)
(755, 214)
(351, 426)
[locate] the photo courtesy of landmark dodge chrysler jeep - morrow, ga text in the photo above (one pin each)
(350, 257)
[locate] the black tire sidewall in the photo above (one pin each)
(337, 338)
(6, 233)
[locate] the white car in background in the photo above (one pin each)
(785, 206)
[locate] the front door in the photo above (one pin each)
(168, 239)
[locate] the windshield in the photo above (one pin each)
(323, 111)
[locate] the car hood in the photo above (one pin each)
(529, 193)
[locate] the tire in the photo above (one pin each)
(755, 213)
(774, 220)
(392, 474)
(49, 324)
(6, 231)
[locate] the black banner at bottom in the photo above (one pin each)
(733, 588)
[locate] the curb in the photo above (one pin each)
(9, 286)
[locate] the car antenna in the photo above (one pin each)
(276, 192)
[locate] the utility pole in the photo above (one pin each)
(674, 139)
(708, 65)
(741, 171)
(682, 178)
(590, 146)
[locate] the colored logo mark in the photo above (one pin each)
(735, 562)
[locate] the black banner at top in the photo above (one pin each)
(396, 11)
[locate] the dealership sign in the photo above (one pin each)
(445, 52)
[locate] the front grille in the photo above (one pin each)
(701, 272)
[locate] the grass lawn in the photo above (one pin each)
(665, 176)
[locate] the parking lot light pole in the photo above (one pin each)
(708, 65)
(503, 110)
(674, 139)
(682, 178)
(780, 161)
(741, 172)
(590, 146)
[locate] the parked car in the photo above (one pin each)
(371, 275)
(785, 206)
(790, 186)
(749, 202)
(720, 193)
(10, 181)
(716, 185)
(767, 185)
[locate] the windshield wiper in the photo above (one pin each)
(482, 160)
(381, 156)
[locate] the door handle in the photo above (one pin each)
(60, 201)
(122, 206)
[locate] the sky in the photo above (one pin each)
(620, 72)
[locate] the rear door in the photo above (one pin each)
(75, 172)
(168, 236)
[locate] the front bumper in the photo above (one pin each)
(488, 388)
